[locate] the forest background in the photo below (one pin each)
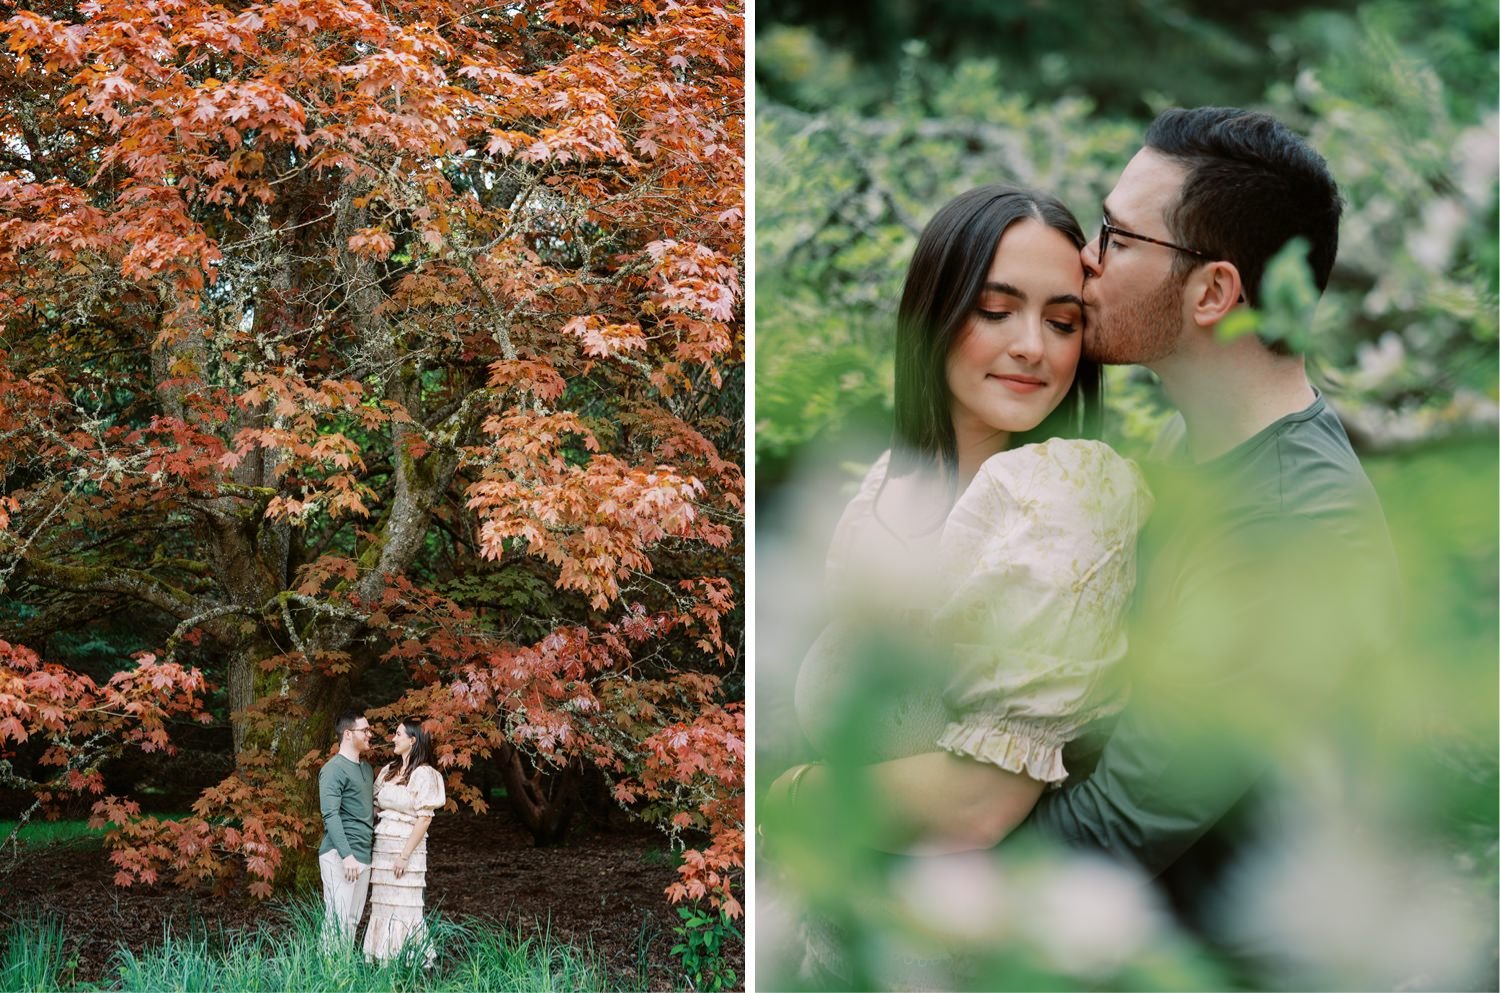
(870, 115)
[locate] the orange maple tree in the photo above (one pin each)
(403, 336)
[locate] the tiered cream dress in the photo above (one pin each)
(396, 904)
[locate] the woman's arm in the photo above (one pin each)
(428, 796)
(933, 803)
(418, 832)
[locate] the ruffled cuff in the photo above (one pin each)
(1015, 746)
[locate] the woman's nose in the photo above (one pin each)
(1027, 342)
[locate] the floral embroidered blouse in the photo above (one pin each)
(421, 796)
(1014, 604)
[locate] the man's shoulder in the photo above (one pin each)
(1294, 491)
(1316, 438)
(1320, 475)
(340, 768)
(1301, 466)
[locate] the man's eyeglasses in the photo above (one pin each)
(1108, 231)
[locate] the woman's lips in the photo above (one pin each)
(1020, 384)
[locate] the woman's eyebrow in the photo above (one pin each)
(1020, 294)
(1005, 288)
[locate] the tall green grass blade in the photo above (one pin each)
(33, 956)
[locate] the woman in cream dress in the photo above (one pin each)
(994, 536)
(980, 576)
(408, 792)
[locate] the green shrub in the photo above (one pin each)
(702, 939)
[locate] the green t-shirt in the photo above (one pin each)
(1268, 581)
(346, 795)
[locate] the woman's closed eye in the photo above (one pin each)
(992, 315)
(1063, 324)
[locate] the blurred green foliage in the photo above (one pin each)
(1384, 736)
(1124, 58)
(853, 157)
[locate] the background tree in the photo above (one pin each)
(370, 347)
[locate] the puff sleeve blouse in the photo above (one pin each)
(1022, 591)
(422, 796)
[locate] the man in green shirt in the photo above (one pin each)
(346, 796)
(1267, 574)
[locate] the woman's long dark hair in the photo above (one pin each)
(421, 748)
(943, 283)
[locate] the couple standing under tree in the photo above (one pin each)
(386, 861)
(1007, 538)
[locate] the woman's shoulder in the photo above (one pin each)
(1062, 463)
(1056, 479)
(425, 778)
(859, 511)
(1078, 451)
(428, 791)
(874, 476)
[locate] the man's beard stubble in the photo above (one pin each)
(1140, 332)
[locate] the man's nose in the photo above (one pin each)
(1089, 256)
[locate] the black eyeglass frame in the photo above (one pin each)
(1108, 230)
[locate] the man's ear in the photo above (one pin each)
(1213, 291)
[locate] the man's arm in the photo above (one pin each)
(1269, 628)
(331, 780)
(1159, 786)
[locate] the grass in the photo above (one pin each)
(287, 954)
(664, 856)
(32, 959)
(39, 831)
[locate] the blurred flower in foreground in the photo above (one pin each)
(1345, 907)
(1083, 916)
(963, 898)
(1090, 916)
(779, 945)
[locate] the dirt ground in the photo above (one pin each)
(604, 889)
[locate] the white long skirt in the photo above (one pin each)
(396, 904)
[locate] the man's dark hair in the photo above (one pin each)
(346, 720)
(943, 283)
(1252, 185)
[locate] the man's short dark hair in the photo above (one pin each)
(1252, 185)
(346, 721)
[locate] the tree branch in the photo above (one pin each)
(126, 582)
